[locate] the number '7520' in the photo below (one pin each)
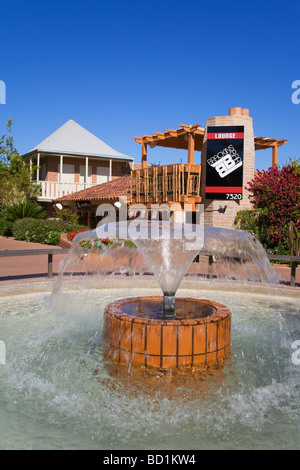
(233, 196)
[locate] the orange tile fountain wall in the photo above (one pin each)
(167, 344)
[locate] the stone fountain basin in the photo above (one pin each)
(136, 333)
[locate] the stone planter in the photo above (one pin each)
(64, 242)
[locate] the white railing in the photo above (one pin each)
(52, 190)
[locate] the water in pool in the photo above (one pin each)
(58, 392)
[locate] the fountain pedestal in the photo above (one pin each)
(136, 332)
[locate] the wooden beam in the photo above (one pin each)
(172, 138)
(266, 143)
(188, 127)
(172, 132)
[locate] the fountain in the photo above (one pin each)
(60, 391)
(168, 332)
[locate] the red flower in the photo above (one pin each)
(73, 234)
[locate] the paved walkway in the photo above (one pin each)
(29, 268)
(26, 268)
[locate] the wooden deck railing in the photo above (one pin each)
(161, 184)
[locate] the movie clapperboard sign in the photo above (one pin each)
(224, 164)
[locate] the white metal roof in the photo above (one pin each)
(73, 139)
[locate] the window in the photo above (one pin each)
(102, 174)
(68, 173)
(43, 172)
(82, 174)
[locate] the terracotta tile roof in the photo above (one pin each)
(111, 190)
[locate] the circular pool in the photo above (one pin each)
(57, 391)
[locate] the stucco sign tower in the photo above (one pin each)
(227, 161)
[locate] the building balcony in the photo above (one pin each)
(51, 190)
(166, 184)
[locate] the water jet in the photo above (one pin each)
(168, 332)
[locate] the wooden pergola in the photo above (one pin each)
(190, 137)
(261, 143)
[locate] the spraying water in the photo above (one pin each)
(167, 250)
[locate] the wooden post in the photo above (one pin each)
(132, 187)
(177, 182)
(293, 273)
(38, 167)
(110, 170)
(174, 183)
(274, 155)
(144, 155)
(198, 182)
(61, 168)
(89, 219)
(164, 183)
(191, 147)
(146, 185)
(188, 182)
(182, 179)
(210, 265)
(155, 184)
(138, 185)
(86, 170)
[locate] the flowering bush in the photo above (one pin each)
(275, 195)
(97, 243)
(73, 234)
(100, 243)
(43, 230)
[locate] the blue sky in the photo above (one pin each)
(126, 68)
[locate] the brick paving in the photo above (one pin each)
(26, 268)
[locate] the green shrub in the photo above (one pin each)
(42, 231)
(23, 209)
(5, 228)
(66, 215)
(21, 226)
(247, 219)
(65, 227)
(48, 238)
(52, 237)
